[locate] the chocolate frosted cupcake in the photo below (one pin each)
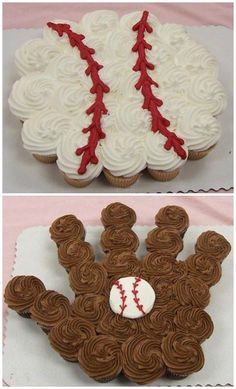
(158, 322)
(49, 309)
(173, 216)
(118, 214)
(192, 291)
(87, 278)
(91, 307)
(66, 227)
(117, 325)
(182, 354)
(164, 240)
(142, 359)
(120, 263)
(214, 244)
(69, 335)
(73, 252)
(158, 264)
(116, 238)
(194, 322)
(21, 292)
(204, 267)
(101, 358)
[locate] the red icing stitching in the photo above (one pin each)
(122, 296)
(151, 103)
(98, 108)
(135, 293)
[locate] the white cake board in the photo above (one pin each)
(22, 173)
(29, 360)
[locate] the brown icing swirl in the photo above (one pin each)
(194, 322)
(69, 335)
(66, 227)
(173, 216)
(192, 291)
(118, 214)
(21, 292)
(142, 359)
(164, 240)
(205, 267)
(120, 263)
(163, 287)
(49, 308)
(159, 321)
(101, 358)
(73, 252)
(115, 238)
(214, 244)
(158, 264)
(87, 278)
(120, 327)
(182, 354)
(91, 307)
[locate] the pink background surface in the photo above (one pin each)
(22, 212)
(32, 15)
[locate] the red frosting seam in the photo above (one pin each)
(145, 82)
(98, 108)
(135, 293)
(122, 296)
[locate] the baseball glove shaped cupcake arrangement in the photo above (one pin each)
(118, 96)
(143, 318)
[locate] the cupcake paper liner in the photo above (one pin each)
(120, 182)
(45, 158)
(76, 183)
(161, 175)
(194, 155)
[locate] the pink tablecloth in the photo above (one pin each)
(32, 15)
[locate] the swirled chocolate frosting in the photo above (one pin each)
(164, 240)
(159, 321)
(87, 278)
(73, 252)
(214, 244)
(158, 264)
(195, 322)
(66, 227)
(117, 325)
(120, 263)
(205, 267)
(101, 358)
(21, 292)
(69, 335)
(192, 291)
(116, 238)
(118, 214)
(182, 353)
(91, 307)
(50, 308)
(173, 216)
(142, 359)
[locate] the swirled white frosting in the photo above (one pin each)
(54, 93)
(67, 160)
(123, 154)
(41, 133)
(158, 158)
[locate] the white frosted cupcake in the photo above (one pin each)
(69, 163)
(40, 134)
(200, 130)
(31, 94)
(123, 157)
(162, 164)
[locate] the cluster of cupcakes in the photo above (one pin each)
(165, 341)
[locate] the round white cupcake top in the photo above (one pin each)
(54, 91)
(132, 297)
